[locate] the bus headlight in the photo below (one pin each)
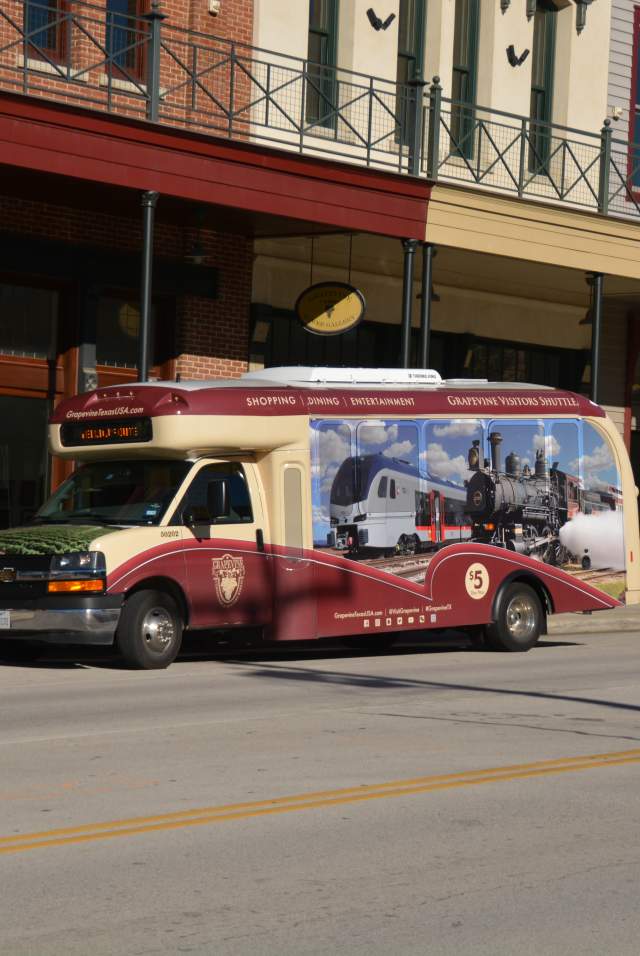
(85, 562)
(77, 571)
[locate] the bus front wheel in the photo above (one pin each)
(150, 629)
(519, 619)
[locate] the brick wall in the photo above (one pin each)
(80, 42)
(211, 336)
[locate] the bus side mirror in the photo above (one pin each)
(218, 499)
(196, 515)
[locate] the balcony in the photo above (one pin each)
(147, 69)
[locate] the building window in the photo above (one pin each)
(28, 321)
(500, 361)
(410, 58)
(465, 70)
(117, 325)
(24, 462)
(126, 38)
(45, 28)
(542, 63)
(321, 69)
(634, 112)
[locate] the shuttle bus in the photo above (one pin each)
(302, 503)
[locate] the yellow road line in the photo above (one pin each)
(308, 801)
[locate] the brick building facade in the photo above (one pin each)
(71, 249)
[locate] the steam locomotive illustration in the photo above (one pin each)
(384, 504)
(523, 510)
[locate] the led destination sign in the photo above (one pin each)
(106, 432)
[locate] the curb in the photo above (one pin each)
(618, 619)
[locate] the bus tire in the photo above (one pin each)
(150, 630)
(20, 652)
(519, 619)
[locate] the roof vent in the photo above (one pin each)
(304, 375)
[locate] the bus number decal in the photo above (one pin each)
(476, 581)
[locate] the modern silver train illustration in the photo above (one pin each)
(384, 504)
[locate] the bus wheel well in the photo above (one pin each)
(168, 586)
(538, 587)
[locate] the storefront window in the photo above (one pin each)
(23, 458)
(28, 318)
(117, 327)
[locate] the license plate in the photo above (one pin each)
(5, 620)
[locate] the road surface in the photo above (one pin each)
(311, 800)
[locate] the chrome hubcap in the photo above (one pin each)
(158, 629)
(521, 618)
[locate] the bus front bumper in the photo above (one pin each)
(89, 621)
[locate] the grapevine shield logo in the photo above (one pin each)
(228, 577)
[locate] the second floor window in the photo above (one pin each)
(410, 57)
(126, 38)
(321, 73)
(45, 28)
(542, 63)
(634, 114)
(465, 68)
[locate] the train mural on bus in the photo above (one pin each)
(386, 504)
(395, 488)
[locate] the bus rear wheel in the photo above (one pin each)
(519, 619)
(150, 630)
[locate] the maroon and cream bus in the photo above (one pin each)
(321, 503)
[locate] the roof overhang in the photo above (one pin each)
(258, 190)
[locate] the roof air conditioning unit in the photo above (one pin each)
(303, 375)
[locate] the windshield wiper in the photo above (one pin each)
(89, 516)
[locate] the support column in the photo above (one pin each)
(596, 281)
(428, 252)
(149, 200)
(409, 246)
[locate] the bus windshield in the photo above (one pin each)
(135, 492)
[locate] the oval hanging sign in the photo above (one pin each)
(329, 308)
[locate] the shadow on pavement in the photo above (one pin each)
(202, 647)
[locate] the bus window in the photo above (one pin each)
(452, 449)
(389, 440)
(392, 488)
(216, 483)
(382, 487)
(598, 469)
(563, 457)
(518, 449)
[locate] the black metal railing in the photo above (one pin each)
(535, 160)
(146, 68)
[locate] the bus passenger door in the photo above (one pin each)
(228, 572)
(294, 592)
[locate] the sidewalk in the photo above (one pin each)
(619, 619)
